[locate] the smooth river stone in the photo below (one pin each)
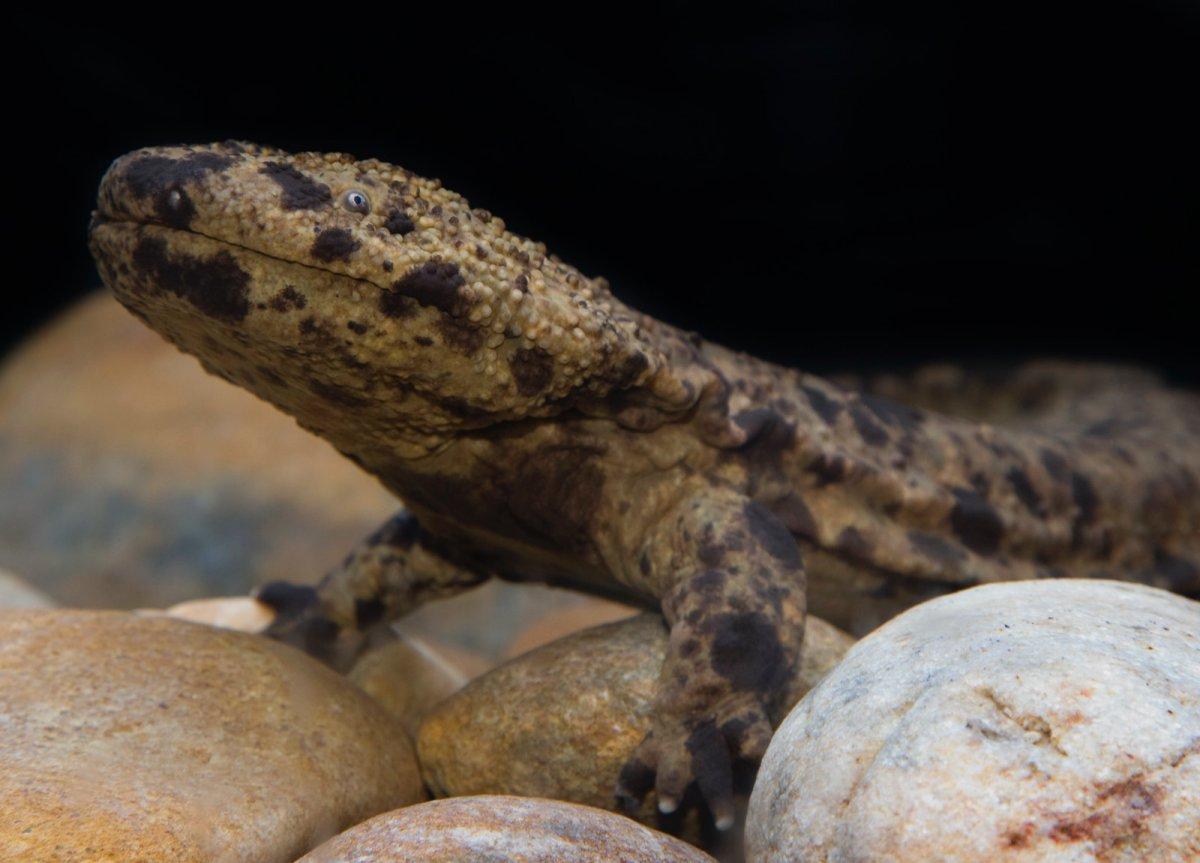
(502, 830)
(409, 678)
(560, 721)
(1026, 721)
(149, 738)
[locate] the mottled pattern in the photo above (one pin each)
(539, 429)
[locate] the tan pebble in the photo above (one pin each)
(150, 738)
(510, 829)
(561, 720)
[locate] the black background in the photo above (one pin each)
(824, 184)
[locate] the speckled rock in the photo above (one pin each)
(409, 677)
(504, 830)
(1027, 721)
(15, 593)
(147, 738)
(559, 722)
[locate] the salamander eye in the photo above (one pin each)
(356, 202)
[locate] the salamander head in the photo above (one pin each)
(363, 300)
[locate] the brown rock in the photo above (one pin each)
(559, 722)
(147, 738)
(509, 829)
(408, 677)
(564, 620)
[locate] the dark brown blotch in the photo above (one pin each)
(892, 413)
(532, 370)
(941, 551)
(796, 515)
(852, 541)
(150, 175)
(398, 222)
(216, 286)
(334, 244)
(288, 298)
(772, 536)
(459, 335)
(826, 408)
(433, 283)
(976, 522)
(870, 430)
(746, 651)
(1024, 490)
(299, 191)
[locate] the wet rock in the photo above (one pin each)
(560, 722)
(510, 829)
(1055, 720)
(15, 593)
(149, 738)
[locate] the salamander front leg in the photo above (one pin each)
(736, 615)
(390, 573)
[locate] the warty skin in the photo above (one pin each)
(537, 428)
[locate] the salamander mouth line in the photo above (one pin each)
(134, 223)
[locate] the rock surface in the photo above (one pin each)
(508, 829)
(566, 620)
(559, 722)
(408, 678)
(1055, 720)
(148, 738)
(243, 613)
(15, 593)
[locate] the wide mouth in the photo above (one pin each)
(101, 219)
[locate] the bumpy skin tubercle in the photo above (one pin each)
(537, 428)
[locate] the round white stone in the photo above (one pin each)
(1048, 721)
